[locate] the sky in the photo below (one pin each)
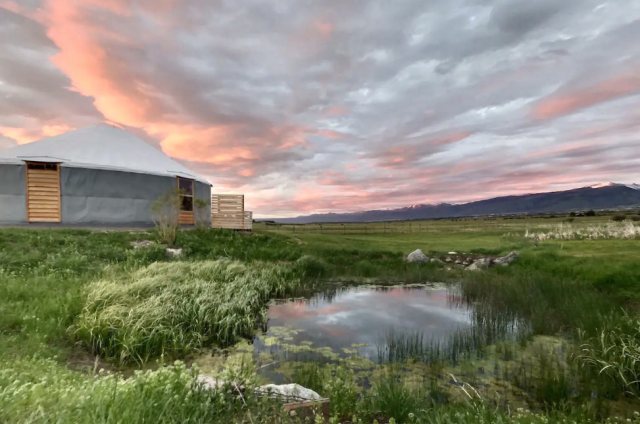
(318, 106)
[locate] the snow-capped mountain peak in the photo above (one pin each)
(611, 184)
(602, 185)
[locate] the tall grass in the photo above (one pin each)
(40, 391)
(614, 354)
(462, 344)
(173, 308)
(552, 294)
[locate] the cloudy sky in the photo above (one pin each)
(333, 105)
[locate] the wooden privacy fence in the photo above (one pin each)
(227, 211)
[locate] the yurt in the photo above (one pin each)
(101, 175)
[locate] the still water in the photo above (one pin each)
(358, 319)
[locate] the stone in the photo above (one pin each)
(141, 244)
(289, 391)
(417, 256)
(210, 383)
(436, 261)
(507, 259)
(478, 264)
(174, 252)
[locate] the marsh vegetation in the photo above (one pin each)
(554, 337)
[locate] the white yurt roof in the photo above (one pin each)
(99, 147)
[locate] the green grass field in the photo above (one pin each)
(75, 301)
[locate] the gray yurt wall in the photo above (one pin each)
(13, 206)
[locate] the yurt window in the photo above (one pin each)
(43, 166)
(185, 186)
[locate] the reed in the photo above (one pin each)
(614, 354)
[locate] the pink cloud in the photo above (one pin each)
(567, 102)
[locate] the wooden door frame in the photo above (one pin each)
(26, 193)
(193, 199)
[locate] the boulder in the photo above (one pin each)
(141, 244)
(289, 392)
(174, 252)
(506, 260)
(478, 264)
(417, 256)
(210, 383)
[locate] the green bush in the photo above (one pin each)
(342, 390)
(177, 307)
(166, 212)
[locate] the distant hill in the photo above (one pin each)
(601, 196)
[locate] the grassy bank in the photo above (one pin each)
(73, 301)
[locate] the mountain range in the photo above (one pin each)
(605, 196)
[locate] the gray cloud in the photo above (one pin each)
(312, 105)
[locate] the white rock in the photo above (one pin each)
(174, 253)
(479, 264)
(507, 259)
(141, 244)
(417, 256)
(294, 391)
(210, 383)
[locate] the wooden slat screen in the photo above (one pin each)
(248, 220)
(43, 193)
(227, 211)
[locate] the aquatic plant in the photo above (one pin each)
(487, 326)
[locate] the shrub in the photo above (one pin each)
(391, 398)
(590, 213)
(177, 307)
(201, 213)
(166, 212)
(618, 218)
(342, 390)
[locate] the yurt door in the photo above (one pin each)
(43, 192)
(185, 188)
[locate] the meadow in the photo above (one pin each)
(91, 327)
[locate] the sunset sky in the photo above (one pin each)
(316, 106)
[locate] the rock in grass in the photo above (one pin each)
(209, 382)
(479, 264)
(506, 260)
(141, 244)
(417, 256)
(174, 253)
(289, 392)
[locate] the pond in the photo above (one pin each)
(360, 321)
